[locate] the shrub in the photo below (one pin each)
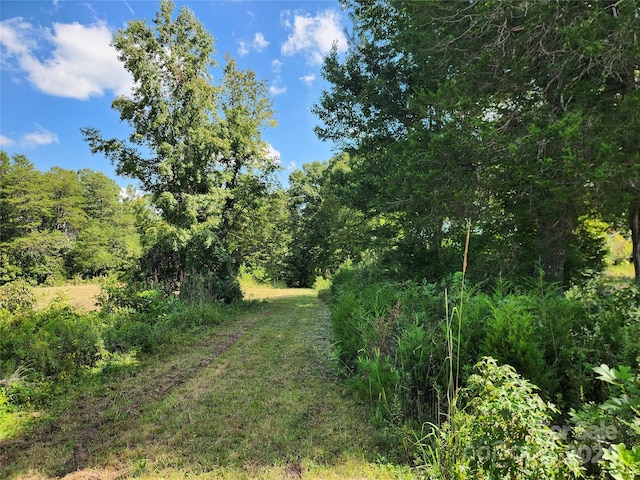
(619, 249)
(17, 295)
(502, 431)
(606, 333)
(597, 427)
(54, 343)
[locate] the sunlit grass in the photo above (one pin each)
(82, 297)
(623, 272)
(254, 397)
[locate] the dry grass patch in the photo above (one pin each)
(265, 292)
(82, 297)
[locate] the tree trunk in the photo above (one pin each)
(553, 244)
(634, 224)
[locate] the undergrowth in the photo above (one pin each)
(44, 352)
(408, 347)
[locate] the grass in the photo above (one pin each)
(82, 297)
(622, 272)
(253, 398)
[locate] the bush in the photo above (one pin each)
(55, 343)
(620, 249)
(392, 338)
(597, 427)
(502, 431)
(17, 295)
(607, 332)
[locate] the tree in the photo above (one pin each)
(266, 239)
(67, 201)
(24, 200)
(326, 232)
(246, 109)
(101, 195)
(488, 110)
(201, 138)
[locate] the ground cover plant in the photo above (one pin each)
(403, 344)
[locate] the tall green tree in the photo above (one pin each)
(266, 240)
(24, 199)
(66, 197)
(101, 195)
(325, 230)
(200, 138)
(500, 112)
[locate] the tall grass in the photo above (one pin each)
(409, 347)
(58, 346)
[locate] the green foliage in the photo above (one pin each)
(588, 250)
(322, 285)
(17, 295)
(195, 148)
(56, 343)
(61, 224)
(325, 231)
(608, 331)
(393, 338)
(450, 114)
(45, 351)
(512, 337)
(619, 249)
(501, 431)
(210, 273)
(264, 246)
(607, 434)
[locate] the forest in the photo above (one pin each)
(485, 183)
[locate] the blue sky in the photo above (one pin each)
(59, 72)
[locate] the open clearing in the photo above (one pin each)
(83, 296)
(256, 397)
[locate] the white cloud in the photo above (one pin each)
(259, 43)
(243, 49)
(39, 137)
(308, 79)
(276, 66)
(272, 154)
(5, 141)
(16, 37)
(313, 36)
(82, 62)
(277, 89)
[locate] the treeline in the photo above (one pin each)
(62, 224)
(515, 116)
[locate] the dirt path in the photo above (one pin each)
(257, 399)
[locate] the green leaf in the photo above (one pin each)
(606, 374)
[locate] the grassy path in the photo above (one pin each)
(254, 399)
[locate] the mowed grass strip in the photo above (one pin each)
(267, 405)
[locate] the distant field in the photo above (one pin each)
(620, 273)
(263, 292)
(82, 297)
